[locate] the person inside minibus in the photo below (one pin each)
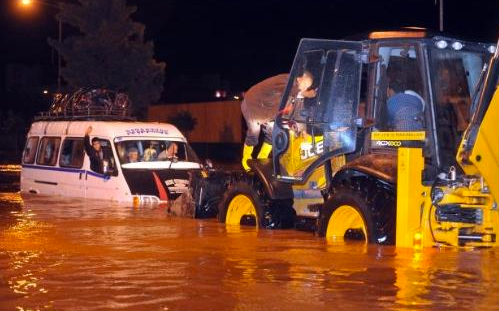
(133, 155)
(150, 154)
(169, 153)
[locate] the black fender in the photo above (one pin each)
(347, 175)
(275, 190)
(382, 166)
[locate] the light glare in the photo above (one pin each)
(457, 45)
(441, 44)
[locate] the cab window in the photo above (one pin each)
(48, 151)
(302, 97)
(72, 153)
(455, 75)
(400, 104)
(30, 150)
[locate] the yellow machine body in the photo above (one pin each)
(300, 154)
(296, 159)
(410, 196)
(417, 222)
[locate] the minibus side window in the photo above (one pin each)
(108, 155)
(49, 149)
(30, 150)
(72, 153)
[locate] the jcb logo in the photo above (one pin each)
(306, 150)
(388, 143)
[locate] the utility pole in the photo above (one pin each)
(59, 60)
(441, 16)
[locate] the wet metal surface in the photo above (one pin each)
(59, 254)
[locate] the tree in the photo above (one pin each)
(110, 52)
(184, 121)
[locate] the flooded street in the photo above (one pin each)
(59, 254)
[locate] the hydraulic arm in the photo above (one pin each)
(457, 209)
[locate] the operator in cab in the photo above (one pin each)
(405, 108)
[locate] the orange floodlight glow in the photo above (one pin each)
(396, 34)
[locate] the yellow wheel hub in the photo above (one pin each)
(240, 206)
(345, 218)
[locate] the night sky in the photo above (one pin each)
(246, 41)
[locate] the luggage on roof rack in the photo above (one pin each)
(85, 104)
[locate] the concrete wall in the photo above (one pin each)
(217, 122)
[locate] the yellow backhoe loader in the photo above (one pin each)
(398, 138)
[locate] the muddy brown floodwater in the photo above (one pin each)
(59, 254)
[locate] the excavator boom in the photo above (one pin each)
(479, 150)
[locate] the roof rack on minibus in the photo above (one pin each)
(89, 104)
(90, 114)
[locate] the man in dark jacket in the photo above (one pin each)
(94, 152)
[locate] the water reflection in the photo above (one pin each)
(60, 254)
(9, 175)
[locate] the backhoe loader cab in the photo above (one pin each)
(352, 119)
(393, 90)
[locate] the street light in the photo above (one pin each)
(26, 3)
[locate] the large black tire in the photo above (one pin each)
(373, 200)
(271, 214)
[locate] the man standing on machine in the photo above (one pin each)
(259, 108)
